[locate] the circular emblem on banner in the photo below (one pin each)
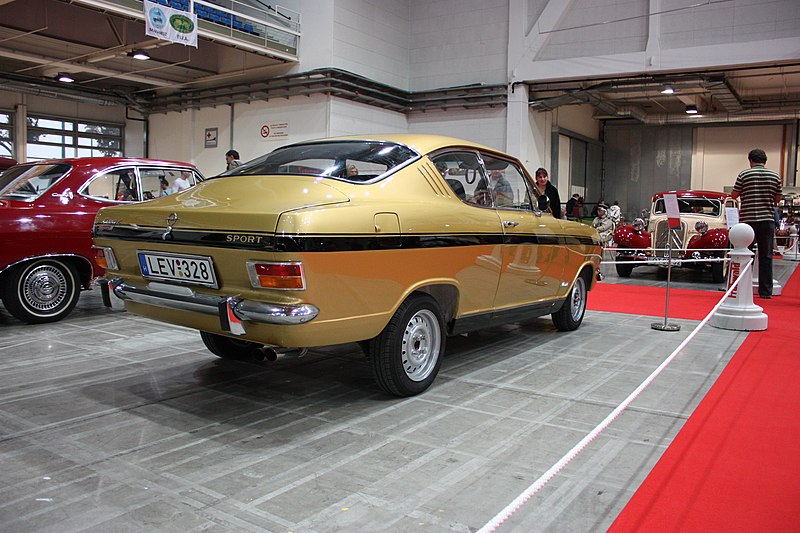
(181, 23)
(157, 18)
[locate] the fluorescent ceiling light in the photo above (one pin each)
(63, 77)
(691, 109)
(667, 90)
(139, 54)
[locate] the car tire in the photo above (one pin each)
(623, 270)
(233, 349)
(41, 291)
(570, 316)
(407, 354)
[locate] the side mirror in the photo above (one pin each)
(543, 202)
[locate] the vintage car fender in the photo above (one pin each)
(627, 237)
(712, 239)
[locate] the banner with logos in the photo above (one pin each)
(170, 24)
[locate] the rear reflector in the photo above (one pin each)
(286, 276)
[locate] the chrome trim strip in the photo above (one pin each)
(189, 300)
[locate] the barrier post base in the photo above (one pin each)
(661, 326)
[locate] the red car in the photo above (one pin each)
(46, 213)
(700, 242)
(6, 162)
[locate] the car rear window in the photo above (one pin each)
(29, 182)
(352, 161)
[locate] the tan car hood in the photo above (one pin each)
(236, 202)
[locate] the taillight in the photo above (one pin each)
(286, 276)
(105, 258)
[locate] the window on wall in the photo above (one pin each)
(6, 137)
(50, 138)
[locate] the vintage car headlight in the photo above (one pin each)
(638, 224)
(701, 227)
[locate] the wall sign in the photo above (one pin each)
(211, 137)
(273, 131)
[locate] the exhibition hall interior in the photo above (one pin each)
(399, 265)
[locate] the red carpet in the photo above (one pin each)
(636, 299)
(735, 465)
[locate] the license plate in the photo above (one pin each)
(194, 269)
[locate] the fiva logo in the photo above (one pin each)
(181, 23)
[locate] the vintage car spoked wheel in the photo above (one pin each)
(570, 316)
(406, 356)
(228, 348)
(41, 291)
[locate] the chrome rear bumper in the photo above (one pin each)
(186, 299)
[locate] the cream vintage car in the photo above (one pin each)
(391, 241)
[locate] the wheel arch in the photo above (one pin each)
(446, 295)
(83, 265)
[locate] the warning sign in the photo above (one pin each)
(275, 130)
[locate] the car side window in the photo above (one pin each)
(507, 183)
(165, 181)
(117, 185)
(463, 173)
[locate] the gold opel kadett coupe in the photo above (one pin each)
(391, 241)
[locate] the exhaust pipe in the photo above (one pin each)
(271, 353)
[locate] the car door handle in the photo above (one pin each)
(510, 224)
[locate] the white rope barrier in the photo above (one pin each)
(537, 485)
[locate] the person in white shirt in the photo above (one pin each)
(182, 182)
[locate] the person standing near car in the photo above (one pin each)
(760, 191)
(545, 188)
(232, 159)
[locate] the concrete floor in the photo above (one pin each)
(111, 422)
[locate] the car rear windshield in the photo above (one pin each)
(353, 161)
(696, 206)
(29, 182)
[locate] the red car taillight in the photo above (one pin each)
(287, 276)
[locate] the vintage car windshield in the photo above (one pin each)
(695, 206)
(353, 161)
(29, 182)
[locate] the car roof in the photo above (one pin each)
(693, 194)
(109, 161)
(421, 143)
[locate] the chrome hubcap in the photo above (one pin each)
(578, 299)
(44, 288)
(420, 345)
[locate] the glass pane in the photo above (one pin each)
(28, 182)
(464, 174)
(507, 183)
(354, 161)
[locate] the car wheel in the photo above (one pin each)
(570, 316)
(407, 354)
(45, 290)
(624, 270)
(234, 349)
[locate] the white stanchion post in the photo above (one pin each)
(777, 288)
(739, 312)
(792, 253)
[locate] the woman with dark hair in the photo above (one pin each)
(545, 189)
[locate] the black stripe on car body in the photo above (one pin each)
(330, 243)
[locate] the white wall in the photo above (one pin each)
(484, 126)
(458, 42)
(353, 118)
(720, 153)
